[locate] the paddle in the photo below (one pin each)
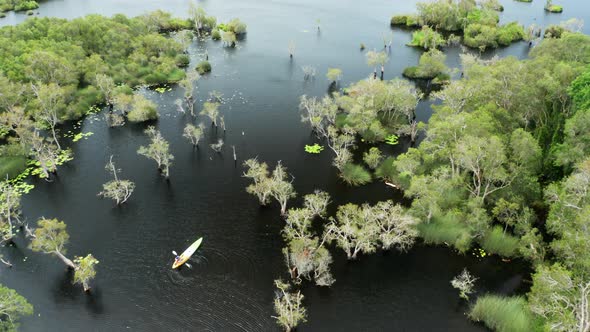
(186, 263)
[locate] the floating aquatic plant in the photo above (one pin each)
(316, 148)
(80, 136)
(392, 139)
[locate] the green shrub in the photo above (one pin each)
(502, 314)
(413, 21)
(448, 230)
(182, 60)
(427, 38)
(432, 64)
(399, 20)
(26, 5)
(510, 33)
(495, 241)
(484, 17)
(84, 100)
(12, 166)
(143, 110)
(203, 67)
(554, 31)
(411, 72)
(215, 34)
(174, 76)
(236, 26)
(388, 172)
(355, 175)
(30, 12)
(177, 24)
(2, 15)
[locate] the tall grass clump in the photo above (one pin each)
(496, 241)
(355, 175)
(502, 314)
(446, 229)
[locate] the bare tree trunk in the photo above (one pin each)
(64, 259)
(55, 137)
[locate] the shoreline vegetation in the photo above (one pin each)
(476, 23)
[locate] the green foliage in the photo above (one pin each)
(158, 150)
(355, 175)
(203, 67)
(288, 306)
(50, 236)
(12, 166)
(334, 74)
(85, 270)
(431, 65)
(215, 34)
(182, 60)
(446, 230)
(236, 26)
(12, 307)
(580, 91)
(26, 6)
(68, 53)
(554, 31)
(142, 110)
(485, 36)
(559, 297)
(314, 149)
(554, 8)
(373, 157)
(18, 5)
(502, 314)
(496, 241)
(392, 139)
(405, 21)
(427, 38)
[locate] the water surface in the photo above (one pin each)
(230, 287)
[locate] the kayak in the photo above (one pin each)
(187, 253)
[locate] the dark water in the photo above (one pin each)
(230, 287)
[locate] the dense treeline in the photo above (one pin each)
(483, 174)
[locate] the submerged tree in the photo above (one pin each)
(396, 228)
(158, 150)
(51, 237)
(217, 146)
(12, 307)
(334, 75)
(291, 48)
(193, 133)
(9, 209)
(258, 172)
(281, 188)
(317, 203)
(375, 58)
(350, 231)
(211, 110)
(464, 282)
(117, 190)
(85, 270)
(188, 84)
(288, 306)
(106, 85)
(50, 100)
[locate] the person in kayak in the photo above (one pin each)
(177, 258)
